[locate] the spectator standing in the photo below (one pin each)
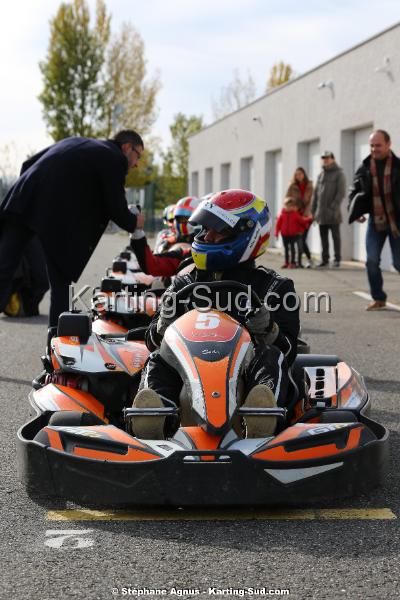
(66, 194)
(301, 189)
(291, 224)
(376, 191)
(330, 189)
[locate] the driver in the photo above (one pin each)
(235, 230)
(167, 263)
(167, 236)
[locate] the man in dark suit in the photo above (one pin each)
(376, 191)
(66, 194)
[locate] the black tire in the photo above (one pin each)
(338, 416)
(74, 418)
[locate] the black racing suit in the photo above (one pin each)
(270, 363)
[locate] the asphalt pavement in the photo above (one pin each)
(46, 555)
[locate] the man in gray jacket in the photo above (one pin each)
(329, 191)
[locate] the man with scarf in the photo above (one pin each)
(376, 191)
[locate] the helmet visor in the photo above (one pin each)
(211, 216)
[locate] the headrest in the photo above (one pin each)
(74, 324)
(110, 284)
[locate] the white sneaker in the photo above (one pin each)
(261, 396)
(148, 428)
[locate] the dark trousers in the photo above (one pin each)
(375, 241)
(303, 246)
(14, 240)
(290, 244)
(324, 233)
(268, 367)
(35, 281)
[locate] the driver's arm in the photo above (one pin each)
(283, 304)
(153, 338)
(163, 265)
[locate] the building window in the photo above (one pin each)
(246, 173)
(194, 188)
(225, 176)
(208, 181)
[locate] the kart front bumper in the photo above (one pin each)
(199, 478)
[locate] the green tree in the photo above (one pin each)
(169, 186)
(279, 74)
(144, 172)
(177, 157)
(172, 182)
(131, 99)
(74, 93)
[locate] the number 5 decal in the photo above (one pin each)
(207, 321)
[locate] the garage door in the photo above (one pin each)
(274, 188)
(314, 168)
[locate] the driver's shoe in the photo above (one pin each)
(148, 428)
(261, 396)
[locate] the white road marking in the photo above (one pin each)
(368, 297)
(68, 538)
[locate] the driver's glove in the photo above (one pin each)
(260, 324)
(168, 312)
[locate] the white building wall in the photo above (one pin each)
(299, 120)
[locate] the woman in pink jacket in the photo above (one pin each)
(301, 189)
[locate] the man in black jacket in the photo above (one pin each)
(376, 191)
(231, 238)
(66, 194)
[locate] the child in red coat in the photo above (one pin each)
(291, 225)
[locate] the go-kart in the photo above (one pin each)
(104, 369)
(325, 445)
(117, 308)
(125, 267)
(129, 257)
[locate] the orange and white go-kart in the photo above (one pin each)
(325, 445)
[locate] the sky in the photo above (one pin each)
(194, 45)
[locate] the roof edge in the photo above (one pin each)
(291, 81)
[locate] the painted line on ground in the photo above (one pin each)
(369, 297)
(84, 514)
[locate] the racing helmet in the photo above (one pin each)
(168, 215)
(243, 216)
(184, 209)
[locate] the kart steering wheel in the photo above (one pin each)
(225, 285)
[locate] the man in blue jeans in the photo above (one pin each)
(377, 184)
